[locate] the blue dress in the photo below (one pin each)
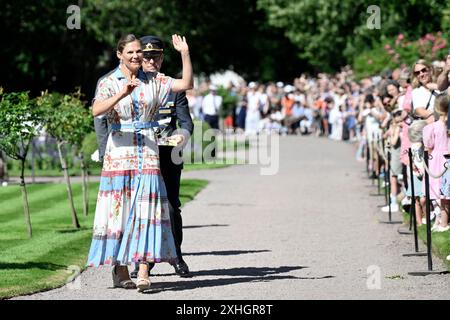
(132, 221)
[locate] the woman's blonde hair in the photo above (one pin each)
(415, 130)
(441, 104)
(414, 81)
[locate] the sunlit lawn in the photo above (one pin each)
(40, 263)
(95, 171)
(440, 241)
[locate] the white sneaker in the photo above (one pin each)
(442, 229)
(406, 201)
(394, 208)
(424, 221)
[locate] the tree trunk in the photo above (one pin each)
(5, 166)
(33, 163)
(75, 222)
(26, 209)
(84, 186)
(2, 167)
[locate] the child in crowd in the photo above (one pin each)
(415, 136)
(393, 135)
(373, 132)
(435, 140)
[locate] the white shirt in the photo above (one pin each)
(420, 98)
(253, 100)
(211, 104)
(372, 125)
(264, 102)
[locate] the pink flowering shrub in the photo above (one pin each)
(399, 51)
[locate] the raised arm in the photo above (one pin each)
(442, 80)
(187, 81)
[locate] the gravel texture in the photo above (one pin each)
(311, 231)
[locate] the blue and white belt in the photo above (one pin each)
(138, 125)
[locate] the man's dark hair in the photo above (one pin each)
(369, 98)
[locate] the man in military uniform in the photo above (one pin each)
(176, 109)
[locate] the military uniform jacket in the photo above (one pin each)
(177, 109)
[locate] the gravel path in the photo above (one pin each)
(311, 231)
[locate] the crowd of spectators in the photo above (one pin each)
(384, 114)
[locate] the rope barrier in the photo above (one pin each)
(418, 157)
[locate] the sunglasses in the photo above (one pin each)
(154, 56)
(424, 70)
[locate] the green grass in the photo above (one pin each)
(204, 166)
(50, 172)
(95, 168)
(41, 263)
(95, 171)
(440, 241)
(233, 144)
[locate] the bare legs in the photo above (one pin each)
(443, 223)
(143, 280)
(420, 208)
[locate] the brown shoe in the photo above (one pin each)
(118, 283)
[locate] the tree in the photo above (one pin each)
(20, 123)
(85, 129)
(330, 33)
(42, 53)
(399, 51)
(88, 147)
(68, 121)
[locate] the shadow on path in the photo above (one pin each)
(224, 253)
(206, 226)
(247, 271)
(239, 275)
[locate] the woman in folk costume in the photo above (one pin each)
(132, 222)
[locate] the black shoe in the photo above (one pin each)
(134, 273)
(182, 269)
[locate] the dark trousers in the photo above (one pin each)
(102, 131)
(213, 121)
(171, 174)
